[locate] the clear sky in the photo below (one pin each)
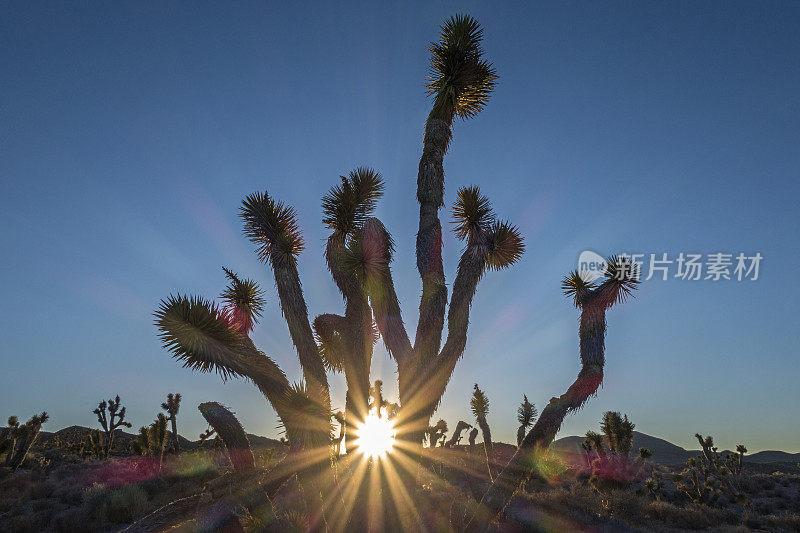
(130, 132)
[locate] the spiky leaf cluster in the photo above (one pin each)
(304, 417)
(459, 78)
(622, 278)
(577, 286)
(479, 403)
(272, 227)
(243, 300)
(526, 413)
(472, 213)
(506, 246)
(347, 205)
(197, 333)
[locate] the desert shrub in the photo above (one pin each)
(72, 520)
(125, 503)
(692, 516)
(783, 522)
(93, 497)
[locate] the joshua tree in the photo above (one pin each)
(473, 434)
(94, 444)
(611, 467)
(16, 439)
(618, 431)
(172, 406)
(152, 440)
(337, 442)
(621, 279)
(229, 429)
(437, 433)
(110, 415)
(205, 435)
(740, 451)
(526, 416)
(376, 393)
(704, 478)
(207, 336)
(480, 408)
(455, 438)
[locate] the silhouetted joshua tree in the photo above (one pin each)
(526, 416)
(740, 451)
(207, 337)
(110, 415)
(480, 408)
(611, 467)
(16, 439)
(172, 406)
(437, 433)
(621, 279)
(473, 434)
(455, 438)
(152, 440)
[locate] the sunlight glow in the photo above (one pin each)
(375, 436)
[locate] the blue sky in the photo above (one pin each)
(129, 134)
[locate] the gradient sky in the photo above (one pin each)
(129, 133)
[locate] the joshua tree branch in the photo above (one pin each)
(380, 287)
(430, 194)
(293, 305)
(232, 434)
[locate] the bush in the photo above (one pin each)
(125, 503)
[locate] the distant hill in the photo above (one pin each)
(78, 433)
(666, 453)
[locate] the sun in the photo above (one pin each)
(375, 436)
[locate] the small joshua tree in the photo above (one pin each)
(611, 467)
(480, 408)
(437, 433)
(172, 406)
(618, 431)
(110, 415)
(479, 404)
(473, 434)
(152, 440)
(376, 394)
(705, 478)
(94, 445)
(526, 416)
(740, 451)
(16, 439)
(455, 438)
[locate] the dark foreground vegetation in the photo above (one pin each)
(59, 489)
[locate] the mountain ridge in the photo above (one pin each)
(667, 453)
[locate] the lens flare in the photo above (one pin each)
(375, 436)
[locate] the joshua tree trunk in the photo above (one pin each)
(430, 194)
(488, 447)
(520, 435)
(20, 452)
(232, 434)
(355, 328)
(174, 430)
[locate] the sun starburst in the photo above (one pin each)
(375, 436)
